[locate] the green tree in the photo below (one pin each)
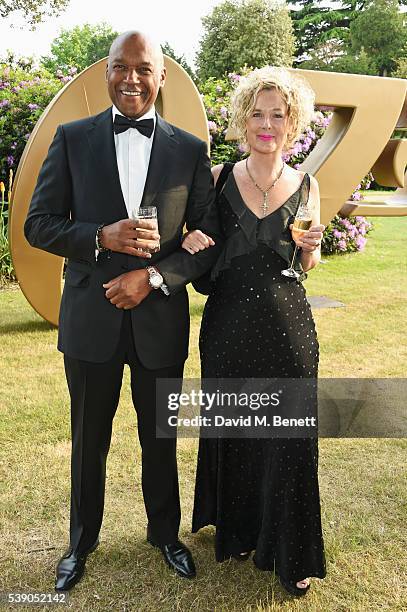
(180, 59)
(401, 70)
(245, 32)
(79, 47)
(318, 21)
(333, 56)
(34, 11)
(380, 30)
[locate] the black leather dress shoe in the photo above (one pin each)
(177, 557)
(70, 568)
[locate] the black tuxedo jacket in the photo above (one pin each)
(78, 189)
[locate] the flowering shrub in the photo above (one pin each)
(25, 91)
(216, 99)
(345, 235)
(6, 265)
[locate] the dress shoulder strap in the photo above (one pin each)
(224, 173)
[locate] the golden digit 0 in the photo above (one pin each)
(367, 110)
(40, 273)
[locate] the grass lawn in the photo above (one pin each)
(362, 481)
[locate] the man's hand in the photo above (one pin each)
(130, 237)
(129, 289)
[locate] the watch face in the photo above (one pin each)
(156, 280)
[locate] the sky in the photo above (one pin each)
(175, 21)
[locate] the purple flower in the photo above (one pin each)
(72, 70)
(297, 166)
(16, 89)
(297, 148)
(342, 245)
(218, 88)
(360, 243)
(337, 233)
(13, 146)
(10, 160)
(235, 78)
(356, 196)
(4, 103)
(4, 85)
(311, 133)
(33, 107)
(223, 112)
(359, 219)
(212, 127)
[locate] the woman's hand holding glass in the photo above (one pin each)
(308, 240)
(196, 241)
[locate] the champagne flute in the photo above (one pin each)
(150, 213)
(302, 223)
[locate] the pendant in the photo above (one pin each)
(265, 206)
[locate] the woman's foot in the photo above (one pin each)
(242, 556)
(303, 584)
(298, 589)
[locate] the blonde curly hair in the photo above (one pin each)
(294, 90)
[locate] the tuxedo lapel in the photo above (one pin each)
(160, 160)
(101, 141)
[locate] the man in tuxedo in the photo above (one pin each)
(122, 304)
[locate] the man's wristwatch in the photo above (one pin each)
(155, 279)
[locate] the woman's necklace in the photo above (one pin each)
(265, 192)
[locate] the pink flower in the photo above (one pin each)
(360, 243)
(342, 245)
(212, 127)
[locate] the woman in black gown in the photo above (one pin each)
(262, 495)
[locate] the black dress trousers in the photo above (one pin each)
(95, 389)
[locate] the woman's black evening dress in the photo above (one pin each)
(261, 494)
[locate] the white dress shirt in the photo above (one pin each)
(133, 151)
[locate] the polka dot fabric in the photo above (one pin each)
(261, 494)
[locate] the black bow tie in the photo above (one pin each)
(144, 126)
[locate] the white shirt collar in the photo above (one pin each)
(150, 114)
